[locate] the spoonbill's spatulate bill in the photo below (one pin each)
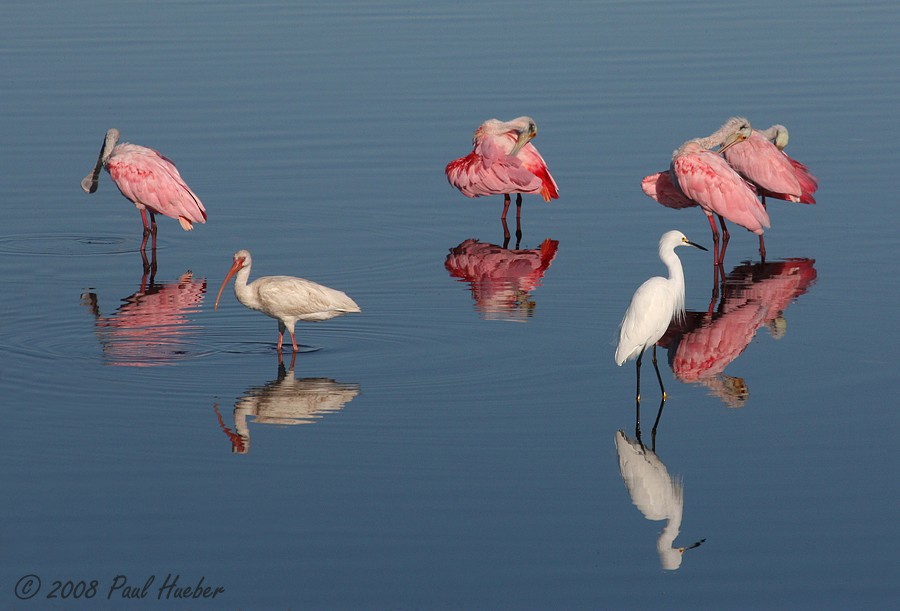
(285, 298)
(503, 161)
(150, 181)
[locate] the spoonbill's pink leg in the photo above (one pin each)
(725, 237)
(715, 233)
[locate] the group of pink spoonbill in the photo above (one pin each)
(726, 181)
(722, 174)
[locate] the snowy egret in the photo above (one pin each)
(652, 308)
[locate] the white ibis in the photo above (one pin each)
(285, 298)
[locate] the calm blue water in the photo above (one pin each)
(455, 445)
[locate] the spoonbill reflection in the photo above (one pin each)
(150, 181)
(152, 325)
(701, 176)
(653, 306)
(501, 280)
(285, 298)
(656, 494)
(285, 401)
(503, 161)
(752, 296)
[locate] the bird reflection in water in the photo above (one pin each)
(153, 325)
(752, 296)
(501, 280)
(657, 495)
(285, 401)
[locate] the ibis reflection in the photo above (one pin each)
(752, 296)
(501, 279)
(153, 324)
(285, 401)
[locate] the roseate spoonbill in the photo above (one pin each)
(761, 160)
(655, 493)
(706, 178)
(503, 161)
(150, 181)
(652, 308)
(285, 298)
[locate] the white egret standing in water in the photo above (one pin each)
(652, 308)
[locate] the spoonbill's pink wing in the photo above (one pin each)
(706, 178)
(660, 187)
(490, 170)
(760, 161)
(146, 177)
(535, 164)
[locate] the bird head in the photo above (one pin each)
(240, 260)
(527, 129)
(89, 182)
(742, 131)
(781, 137)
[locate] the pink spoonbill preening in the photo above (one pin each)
(150, 181)
(285, 298)
(761, 160)
(503, 161)
(705, 178)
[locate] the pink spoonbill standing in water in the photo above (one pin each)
(700, 176)
(503, 161)
(150, 181)
(285, 298)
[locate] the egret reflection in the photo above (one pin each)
(501, 279)
(657, 494)
(752, 296)
(153, 325)
(285, 401)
